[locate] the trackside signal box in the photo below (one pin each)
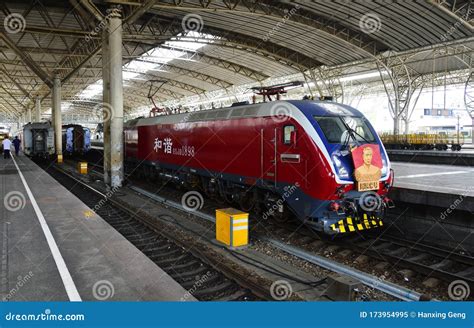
(82, 166)
(232, 227)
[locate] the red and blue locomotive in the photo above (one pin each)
(275, 158)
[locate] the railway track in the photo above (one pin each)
(195, 274)
(430, 261)
(409, 258)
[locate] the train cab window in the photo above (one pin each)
(336, 128)
(287, 129)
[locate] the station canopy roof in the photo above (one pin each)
(202, 46)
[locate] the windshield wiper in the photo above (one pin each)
(352, 132)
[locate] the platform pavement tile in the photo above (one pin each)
(31, 250)
(46, 281)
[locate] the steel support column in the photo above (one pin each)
(116, 97)
(469, 99)
(57, 119)
(404, 83)
(38, 109)
(106, 102)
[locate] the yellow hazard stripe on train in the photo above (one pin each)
(357, 224)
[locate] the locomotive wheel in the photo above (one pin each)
(246, 202)
(226, 197)
(280, 217)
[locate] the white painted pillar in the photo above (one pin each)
(106, 102)
(38, 109)
(116, 97)
(57, 119)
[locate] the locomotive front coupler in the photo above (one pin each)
(350, 207)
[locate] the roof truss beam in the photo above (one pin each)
(277, 9)
(192, 73)
(231, 66)
(27, 60)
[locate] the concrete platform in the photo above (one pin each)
(54, 248)
(434, 185)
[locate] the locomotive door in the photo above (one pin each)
(268, 156)
(39, 143)
(293, 167)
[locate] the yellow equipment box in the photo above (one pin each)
(60, 159)
(232, 227)
(82, 167)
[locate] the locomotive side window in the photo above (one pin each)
(287, 129)
(336, 128)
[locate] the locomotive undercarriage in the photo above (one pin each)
(255, 199)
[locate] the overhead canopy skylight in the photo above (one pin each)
(153, 60)
(92, 90)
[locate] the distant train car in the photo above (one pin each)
(322, 161)
(422, 141)
(76, 139)
(38, 139)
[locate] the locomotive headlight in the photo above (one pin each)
(341, 170)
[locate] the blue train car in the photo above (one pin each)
(76, 139)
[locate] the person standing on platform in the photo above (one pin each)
(16, 143)
(6, 148)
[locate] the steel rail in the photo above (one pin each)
(369, 280)
(170, 203)
(227, 271)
